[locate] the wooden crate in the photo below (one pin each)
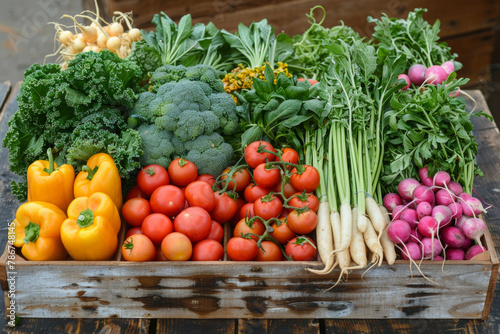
(226, 289)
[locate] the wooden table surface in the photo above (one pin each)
(486, 187)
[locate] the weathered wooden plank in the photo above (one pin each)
(289, 326)
(4, 92)
(82, 326)
(195, 326)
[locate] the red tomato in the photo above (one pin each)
(241, 229)
(301, 249)
(138, 248)
(307, 180)
(236, 218)
(268, 208)
(135, 192)
(182, 172)
(156, 226)
(194, 222)
(254, 158)
(241, 178)
(168, 200)
(289, 155)
(199, 193)
(206, 178)
(135, 210)
(225, 208)
(177, 247)
(208, 250)
(216, 232)
(241, 249)
(288, 191)
(268, 251)
(159, 255)
(133, 230)
(247, 211)
(151, 177)
(302, 200)
(282, 233)
(284, 213)
(266, 178)
(253, 192)
(311, 81)
(302, 223)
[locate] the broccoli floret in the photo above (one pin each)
(167, 73)
(140, 112)
(225, 109)
(156, 145)
(191, 124)
(207, 74)
(209, 153)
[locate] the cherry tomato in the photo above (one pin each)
(254, 158)
(159, 255)
(216, 232)
(208, 250)
(241, 229)
(133, 230)
(135, 210)
(151, 177)
(168, 200)
(289, 155)
(288, 190)
(236, 218)
(302, 223)
(182, 172)
(247, 211)
(225, 208)
(241, 249)
(303, 200)
(301, 249)
(269, 251)
(199, 193)
(268, 207)
(156, 226)
(206, 178)
(177, 247)
(308, 180)
(241, 178)
(253, 192)
(194, 222)
(311, 81)
(284, 213)
(266, 178)
(135, 192)
(282, 233)
(138, 248)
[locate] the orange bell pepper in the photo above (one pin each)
(49, 183)
(100, 175)
(37, 229)
(90, 233)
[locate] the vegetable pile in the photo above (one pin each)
(290, 147)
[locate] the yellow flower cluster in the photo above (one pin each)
(242, 77)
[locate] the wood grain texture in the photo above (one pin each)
(277, 326)
(4, 92)
(195, 326)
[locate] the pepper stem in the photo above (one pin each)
(86, 218)
(91, 172)
(51, 162)
(31, 232)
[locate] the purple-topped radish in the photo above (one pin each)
(441, 178)
(453, 237)
(472, 206)
(424, 209)
(456, 210)
(473, 251)
(410, 216)
(455, 254)
(448, 66)
(416, 73)
(442, 215)
(435, 75)
(407, 79)
(391, 200)
(474, 229)
(432, 247)
(411, 250)
(444, 197)
(406, 188)
(426, 179)
(423, 194)
(427, 226)
(399, 231)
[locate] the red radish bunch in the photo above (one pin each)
(434, 219)
(418, 75)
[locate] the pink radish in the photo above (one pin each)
(456, 210)
(423, 194)
(444, 197)
(427, 226)
(455, 254)
(441, 179)
(455, 188)
(410, 216)
(407, 79)
(426, 179)
(442, 215)
(461, 220)
(399, 231)
(417, 74)
(435, 75)
(448, 66)
(415, 235)
(432, 247)
(472, 207)
(453, 237)
(467, 244)
(474, 228)
(424, 209)
(397, 211)
(406, 188)
(438, 258)
(464, 197)
(391, 200)
(411, 250)
(473, 251)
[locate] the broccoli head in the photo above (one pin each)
(201, 73)
(156, 145)
(224, 108)
(209, 153)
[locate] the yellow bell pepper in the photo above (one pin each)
(49, 183)
(37, 229)
(91, 231)
(100, 175)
